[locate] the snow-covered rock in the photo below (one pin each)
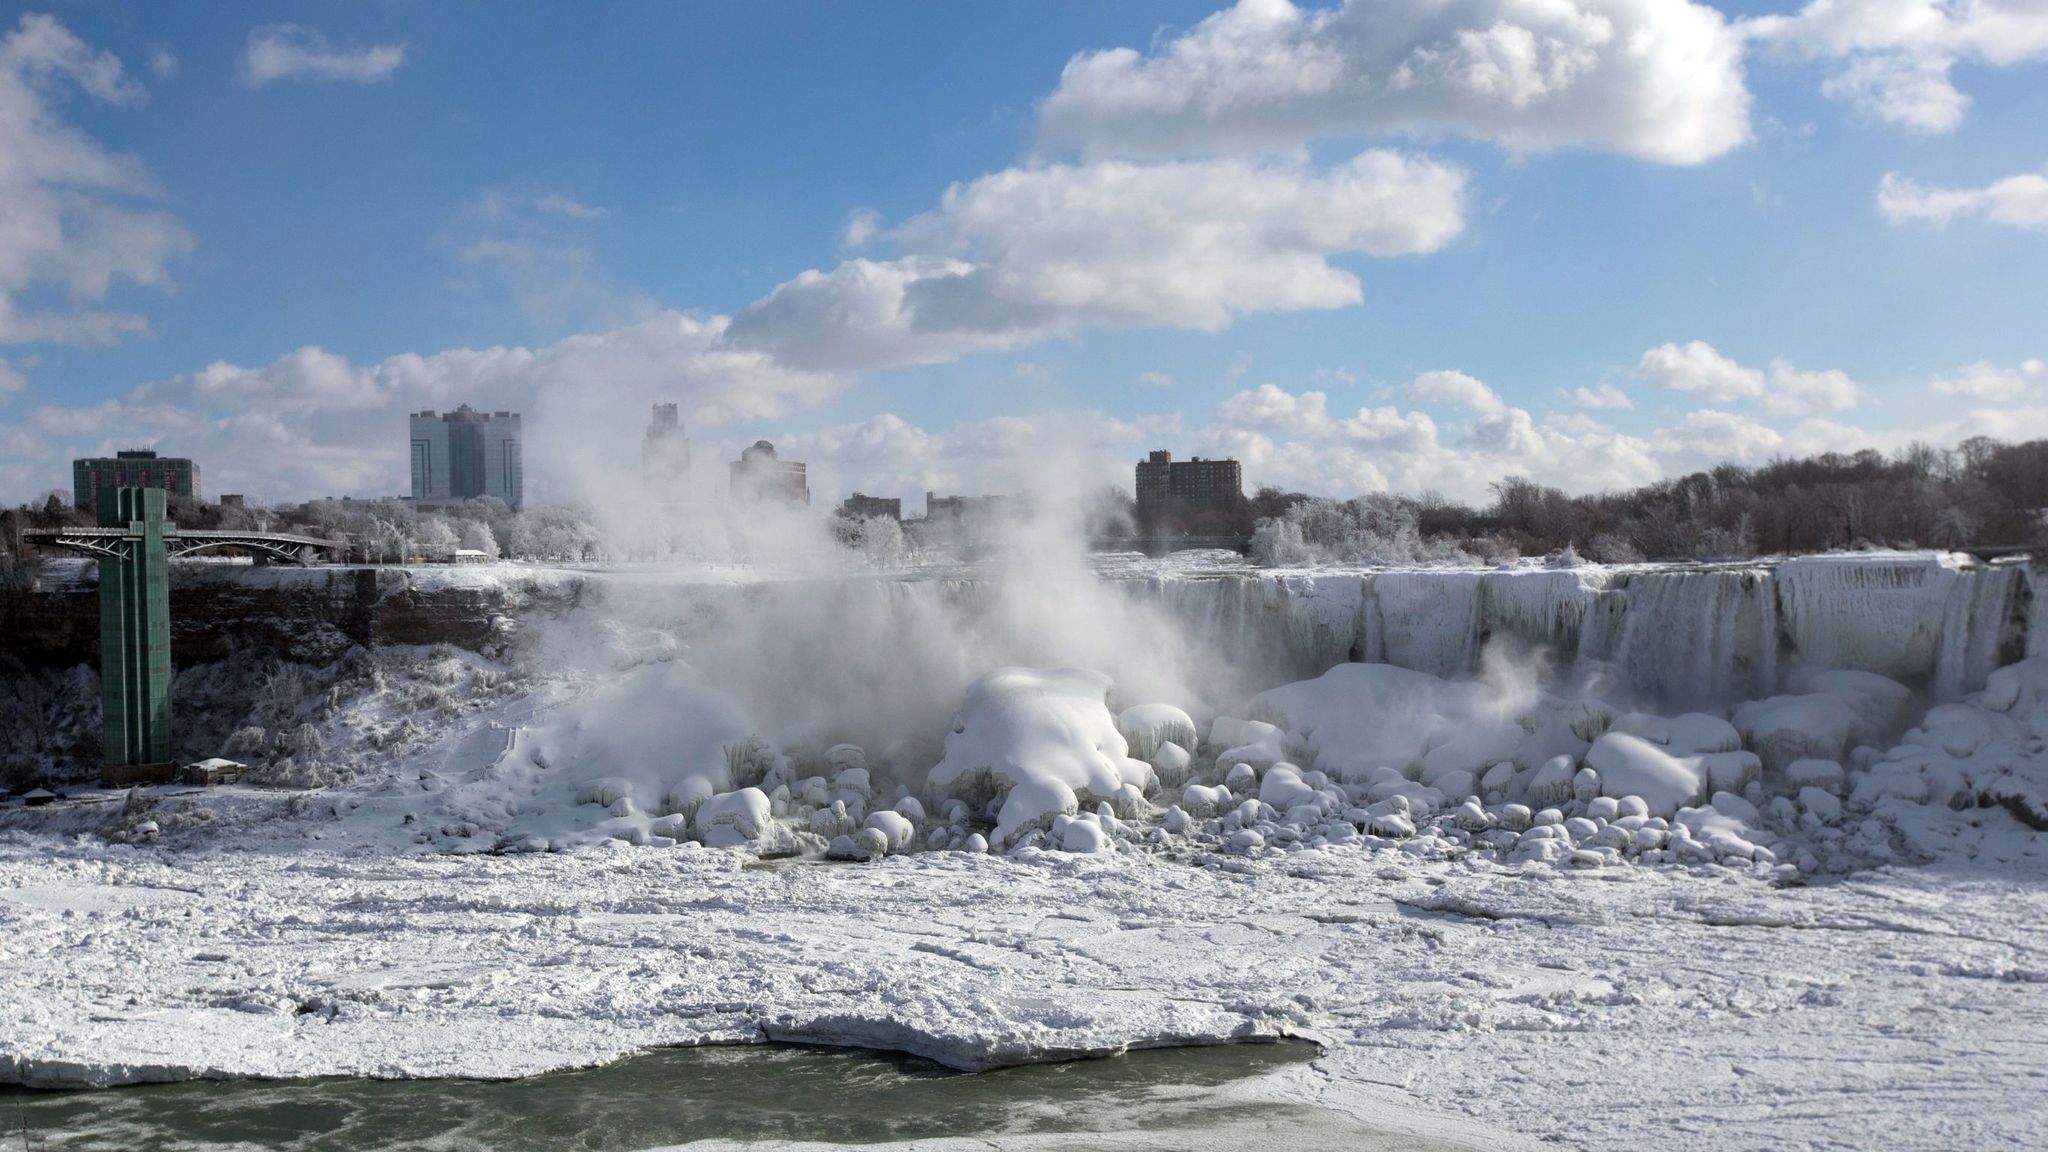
(1145, 727)
(746, 811)
(1039, 740)
(1631, 766)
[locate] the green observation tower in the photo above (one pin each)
(135, 638)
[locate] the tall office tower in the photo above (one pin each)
(464, 454)
(665, 453)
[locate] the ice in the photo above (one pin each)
(1357, 717)
(1362, 826)
(1041, 742)
(746, 812)
(1632, 766)
(1914, 616)
(1146, 727)
(1784, 729)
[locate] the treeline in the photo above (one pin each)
(377, 531)
(1982, 493)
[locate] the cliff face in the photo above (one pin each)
(311, 615)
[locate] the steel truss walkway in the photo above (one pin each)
(133, 544)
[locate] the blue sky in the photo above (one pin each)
(408, 181)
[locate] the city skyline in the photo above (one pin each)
(1777, 229)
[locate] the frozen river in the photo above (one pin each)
(1486, 1006)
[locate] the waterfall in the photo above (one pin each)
(1666, 637)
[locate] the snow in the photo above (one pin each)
(1038, 743)
(1357, 717)
(1146, 727)
(1794, 901)
(1632, 766)
(1525, 1004)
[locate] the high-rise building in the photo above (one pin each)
(464, 454)
(665, 453)
(760, 475)
(1163, 482)
(132, 469)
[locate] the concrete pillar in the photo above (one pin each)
(135, 640)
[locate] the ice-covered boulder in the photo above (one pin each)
(1725, 828)
(1084, 836)
(1686, 734)
(894, 826)
(1252, 742)
(1629, 765)
(1558, 727)
(1823, 774)
(1170, 762)
(1203, 801)
(1815, 726)
(1471, 748)
(605, 791)
(610, 762)
(1551, 783)
(746, 812)
(1041, 741)
(1883, 704)
(1283, 788)
(1147, 726)
(1357, 717)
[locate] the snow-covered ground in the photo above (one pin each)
(1902, 1008)
(1520, 899)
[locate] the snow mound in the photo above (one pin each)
(1358, 717)
(1039, 741)
(1785, 729)
(1630, 765)
(653, 742)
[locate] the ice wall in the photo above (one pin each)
(1661, 636)
(882, 661)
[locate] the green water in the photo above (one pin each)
(747, 1097)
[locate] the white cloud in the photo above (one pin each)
(2017, 201)
(1293, 440)
(1155, 379)
(283, 51)
(538, 252)
(1696, 368)
(1797, 392)
(561, 205)
(68, 220)
(1708, 436)
(313, 423)
(1988, 382)
(163, 64)
(1895, 56)
(1657, 79)
(862, 225)
(11, 378)
(1456, 390)
(1028, 254)
(1601, 396)
(1053, 454)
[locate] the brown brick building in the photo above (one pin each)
(1164, 483)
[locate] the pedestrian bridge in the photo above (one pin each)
(115, 543)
